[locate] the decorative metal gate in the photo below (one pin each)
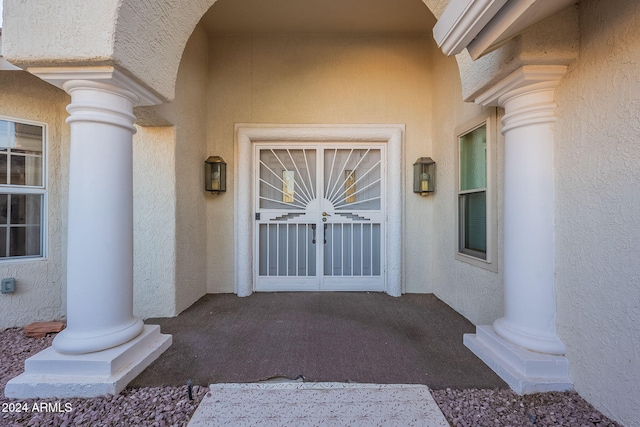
(320, 217)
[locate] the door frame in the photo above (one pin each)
(246, 134)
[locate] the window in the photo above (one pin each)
(476, 192)
(22, 189)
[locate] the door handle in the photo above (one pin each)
(313, 227)
(325, 214)
(324, 234)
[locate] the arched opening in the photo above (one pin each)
(166, 26)
(299, 65)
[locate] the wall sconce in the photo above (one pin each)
(424, 176)
(215, 174)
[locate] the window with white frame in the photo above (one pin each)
(22, 189)
(476, 192)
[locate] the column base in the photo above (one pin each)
(50, 374)
(525, 371)
(538, 343)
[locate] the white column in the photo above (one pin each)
(526, 335)
(529, 294)
(103, 346)
(100, 231)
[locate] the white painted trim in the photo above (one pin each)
(57, 76)
(461, 21)
(41, 189)
(45, 145)
(248, 134)
(483, 25)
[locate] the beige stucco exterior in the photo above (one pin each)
(474, 292)
(597, 209)
(154, 214)
(39, 284)
(171, 261)
(330, 79)
(183, 235)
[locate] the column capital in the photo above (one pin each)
(527, 78)
(98, 102)
(105, 74)
(527, 95)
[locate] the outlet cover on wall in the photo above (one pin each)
(8, 285)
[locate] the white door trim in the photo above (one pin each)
(248, 134)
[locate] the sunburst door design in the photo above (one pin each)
(319, 217)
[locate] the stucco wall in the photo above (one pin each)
(40, 284)
(190, 154)
(598, 209)
(170, 264)
(34, 33)
(319, 79)
(154, 216)
(474, 292)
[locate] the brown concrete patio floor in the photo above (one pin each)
(334, 337)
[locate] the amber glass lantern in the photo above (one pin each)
(215, 174)
(424, 176)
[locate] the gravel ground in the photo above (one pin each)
(170, 406)
(157, 406)
(470, 408)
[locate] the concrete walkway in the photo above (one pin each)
(318, 404)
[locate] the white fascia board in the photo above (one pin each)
(461, 22)
(515, 17)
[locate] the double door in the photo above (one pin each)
(320, 217)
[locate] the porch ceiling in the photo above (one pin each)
(318, 17)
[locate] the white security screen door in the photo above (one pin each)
(319, 217)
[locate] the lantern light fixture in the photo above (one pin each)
(215, 174)
(424, 176)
